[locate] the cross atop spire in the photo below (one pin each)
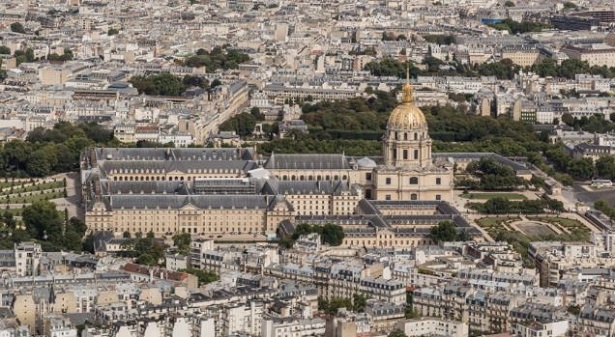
(407, 96)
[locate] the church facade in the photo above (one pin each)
(406, 170)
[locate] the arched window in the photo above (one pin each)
(414, 180)
(414, 196)
(293, 178)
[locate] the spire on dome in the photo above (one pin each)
(407, 96)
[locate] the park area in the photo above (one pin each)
(520, 231)
(16, 194)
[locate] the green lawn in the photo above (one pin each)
(488, 195)
(33, 198)
(38, 187)
(520, 242)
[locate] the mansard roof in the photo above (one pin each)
(318, 161)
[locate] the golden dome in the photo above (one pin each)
(407, 116)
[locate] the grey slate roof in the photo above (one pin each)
(176, 154)
(145, 187)
(308, 161)
(198, 201)
(305, 187)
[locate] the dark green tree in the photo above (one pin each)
(182, 242)
(397, 333)
(444, 231)
(17, 27)
(43, 221)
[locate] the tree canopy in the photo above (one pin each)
(218, 58)
(50, 151)
(243, 124)
(329, 234)
(515, 27)
(446, 231)
(54, 231)
(17, 27)
(163, 84)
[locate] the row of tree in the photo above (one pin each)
(501, 205)
(492, 175)
(570, 68)
(515, 27)
(503, 69)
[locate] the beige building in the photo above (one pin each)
(214, 192)
(525, 57)
(598, 56)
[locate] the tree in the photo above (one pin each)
(397, 333)
(163, 84)
(9, 220)
(113, 31)
(605, 167)
(243, 124)
(256, 112)
(195, 81)
(568, 5)
(204, 276)
(582, 169)
(509, 4)
(444, 231)
(43, 221)
(216, 83)
(38, 164)
(17, 27)
(332, 234)
(5, 50)
(182, 242)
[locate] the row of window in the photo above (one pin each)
(414, 181)
(413, 196)
(302, 177)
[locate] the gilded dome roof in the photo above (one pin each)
(407, 116)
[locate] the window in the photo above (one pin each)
(414, 180)
(438, 181)
(388, 181)
(416, 136)
(387, 197)
(413, 196)
(405, 136)
(438, 197)
(416, 154)
(405, 154)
